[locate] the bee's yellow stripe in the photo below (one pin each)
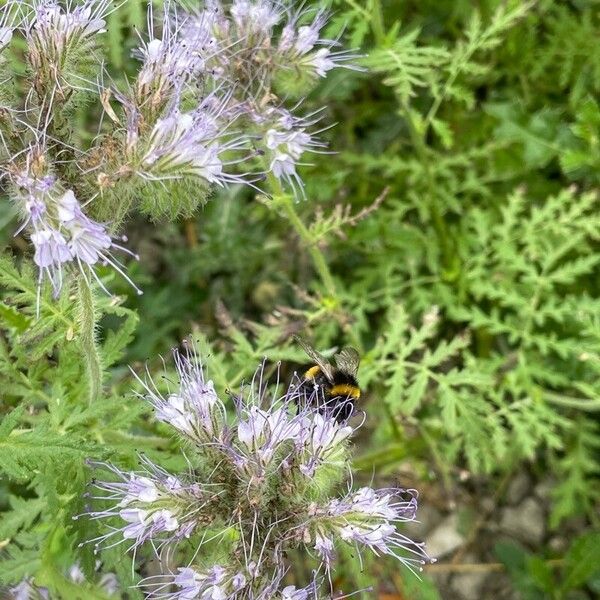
(312, 372)
(345, 389)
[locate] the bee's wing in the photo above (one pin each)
(317, 357)
(347, 360)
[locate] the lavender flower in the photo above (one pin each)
(152, 505)
(258, 485)
(61, 233)
(169, 63)
(60, 36)
(7, 26)
(367, 519)
(27, 590)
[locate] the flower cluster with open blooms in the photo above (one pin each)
(264, 45)
(61, 233)
(62, 43)
(207, 107)
(258, 486)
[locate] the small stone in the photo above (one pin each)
(487, 504)
(518, 488)
(558, 544)
(544, 488)
(525, 522)
(445, 538)
(467, 586)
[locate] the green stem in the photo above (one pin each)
(286, 202)
(87, 336)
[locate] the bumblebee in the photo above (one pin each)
(332, 389)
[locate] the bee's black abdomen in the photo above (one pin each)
(333, 398)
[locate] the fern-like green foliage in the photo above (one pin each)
(480, 221)
(48, 429)
(408, 66)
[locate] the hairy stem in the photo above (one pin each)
(87, 337)
(287, 203)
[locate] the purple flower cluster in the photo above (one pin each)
(61, 233)
(238, 51)
(152, 505)
(220, 583)
(57, 33)
(258, 481)
(191, 144)
(257, 44)
(206, 108)
(262, 32)
(367, 518)
(168, 62)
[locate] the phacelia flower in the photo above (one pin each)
(191, 144)
(257, 39)
(254, 17)
(249, 48)
(152, 505)
(302, 45)
(368, 519)
(323, 438)
(26, 589)
(61, 233)
(57, 33)
(216, 583)
(169, 61)
(7, 25)
(258, 485)
(193, 409)
(285, 143)
(107, 581)
(220, 582)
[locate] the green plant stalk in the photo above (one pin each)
(286, 202)
(87, 338)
